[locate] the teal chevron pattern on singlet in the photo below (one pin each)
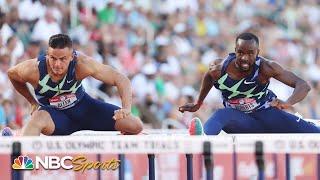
(58, 89)
(235, 91)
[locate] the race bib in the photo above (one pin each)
(243, 104)
(63, 101)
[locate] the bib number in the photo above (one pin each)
(243, 104)
(63, 101)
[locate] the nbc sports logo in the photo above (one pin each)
(55, 162)
(23, 162)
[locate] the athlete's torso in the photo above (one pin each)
(246, 94)
(60, 95)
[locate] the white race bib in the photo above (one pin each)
(243, 104)
(63, 101)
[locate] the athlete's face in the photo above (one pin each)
(246, 53)
(59, 60)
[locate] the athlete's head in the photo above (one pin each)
(59, 53)
(247, 49)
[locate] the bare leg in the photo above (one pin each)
(40, 122)
(129, 125)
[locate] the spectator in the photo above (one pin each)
(45, 27)
(7, 109)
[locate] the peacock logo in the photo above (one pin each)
(23, 162)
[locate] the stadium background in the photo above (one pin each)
(163, 46)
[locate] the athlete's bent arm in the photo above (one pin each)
(207, 82)
(206, 85)
(301, 87)
(108, 75)
(20, 74)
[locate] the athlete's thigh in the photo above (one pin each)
(279, 121)
(232, 121)
(241, 122)
(63, 124)
(95, 114)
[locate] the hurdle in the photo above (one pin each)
(147, 144)
(208, 146)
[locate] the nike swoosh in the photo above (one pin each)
(299, 116)
(249, 82)
(69, 81)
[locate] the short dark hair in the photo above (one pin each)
(60, 41)
(248, 36)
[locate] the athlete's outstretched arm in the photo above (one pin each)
(20, 74)
(207, 82)
(87, 66)
(301, 87)
(206, 85)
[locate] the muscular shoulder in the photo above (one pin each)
(83, 66)
(215, 68)
(26, 71)
(29, 66)
(82, 59)
(87, 66)
(270, 68)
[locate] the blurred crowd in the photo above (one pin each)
(163, 46)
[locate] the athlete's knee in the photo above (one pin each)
(217, 121)
(129, 125)
(211, 128)
(137, 125)
(41, 120)
(206, 129)
(37, 119)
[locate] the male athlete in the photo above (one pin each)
(250, 107)
(62, 106)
